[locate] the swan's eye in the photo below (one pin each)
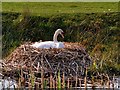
(62, 32)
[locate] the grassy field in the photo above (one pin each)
(52, 8)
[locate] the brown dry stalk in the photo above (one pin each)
(68, 83)
(63, 80)
(85, 79)
(51, 81)
(108, 81)
(56, 82)
(76, 81)
(80, 82)
(85, 82)
(42, 73)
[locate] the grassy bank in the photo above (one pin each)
(98, 32)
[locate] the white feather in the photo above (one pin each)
(50, 44)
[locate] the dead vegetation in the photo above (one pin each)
(27, 62)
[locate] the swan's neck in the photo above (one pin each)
(55, 37)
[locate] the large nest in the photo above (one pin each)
(72, 60)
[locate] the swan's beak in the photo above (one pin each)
(62, 35)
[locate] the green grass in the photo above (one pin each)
(52, 8)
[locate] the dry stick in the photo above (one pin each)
(51, 83)
(19, 81)
(21, 75)
(76, 82)
(42, 73)
(39, 82)
(29, 83)
(24, 49)
(56, 82)
(92, 84)
(108, 82)
(71, 84)
(31, 77)
(80, 83)
(68, 83)
(63, 81)
(85, 83)
(38, 65)
(101, 81)
(48, 63)
(85, 79)
(113, 81)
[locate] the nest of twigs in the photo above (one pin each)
(72, 60)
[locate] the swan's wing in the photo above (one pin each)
(59, 45)
(36, 45)
(62, 45)
(47, 45)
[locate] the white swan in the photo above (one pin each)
(51, 44)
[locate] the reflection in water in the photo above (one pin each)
(7, 83)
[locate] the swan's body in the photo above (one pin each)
(50, 44)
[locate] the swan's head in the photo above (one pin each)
(60, 31)
(57, 32)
